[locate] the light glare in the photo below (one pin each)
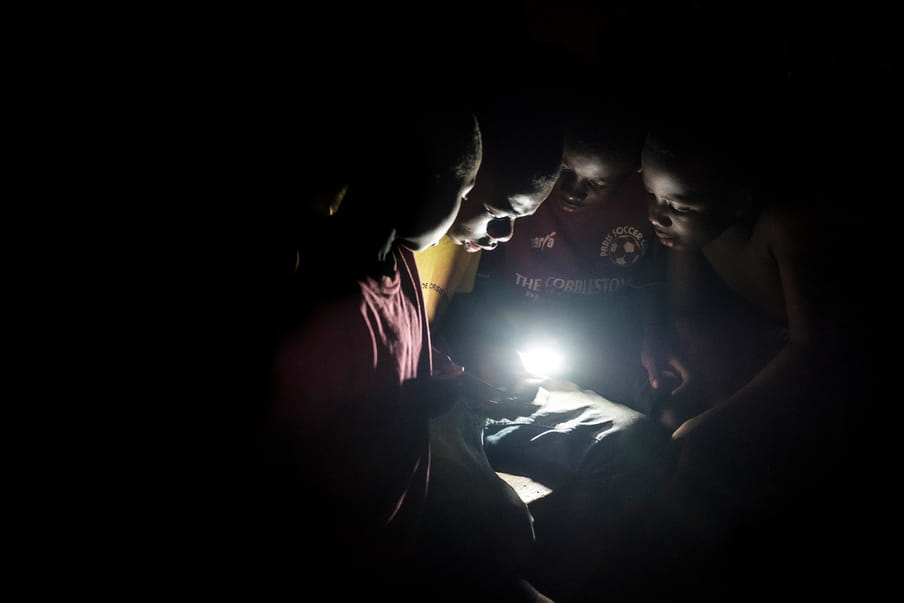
(542, 361)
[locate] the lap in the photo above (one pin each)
(572, 431)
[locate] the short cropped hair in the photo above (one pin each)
(721, 138)
(523, 143)
(611, 130)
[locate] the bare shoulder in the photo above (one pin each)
(780, 220)
(787, 229)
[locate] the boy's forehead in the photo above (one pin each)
(594, 164)
(686, 185)
(693, 171)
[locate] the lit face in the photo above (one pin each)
(588, 179)
(489, 212)
(684, 211)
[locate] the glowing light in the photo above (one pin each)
(543, 361)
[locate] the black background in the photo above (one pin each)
(168, 142)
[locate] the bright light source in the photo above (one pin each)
(542, 361)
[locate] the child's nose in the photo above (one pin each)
(575, 193)
(658, 217)
(501, 229)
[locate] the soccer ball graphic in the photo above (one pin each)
(624, 251)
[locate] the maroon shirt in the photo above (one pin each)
(339, 380)
(558, 256)
(577, 278)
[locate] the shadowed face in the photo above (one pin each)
(427, 223)
(588, 179)
(446, 199)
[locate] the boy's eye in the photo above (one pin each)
(678, 209)
(597, 184)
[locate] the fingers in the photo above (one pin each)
(683, 430)
(444, 367)
(653, 372)
(681, 386)
(450, 375)
(679, 366)
(683, 374)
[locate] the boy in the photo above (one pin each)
(522, 159)
(335, 470)
(583, 271)
(772, 344)
(341, 373)
(761, 263)
(472, 516)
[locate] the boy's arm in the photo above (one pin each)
(798, 372)
(662, 305)
(337, 408)
(478, 331)
(656, 348)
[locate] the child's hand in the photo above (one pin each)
(443, 387)
(687, 428)
(498, 365)
(665, 369)
(444, 367)
(521, 399)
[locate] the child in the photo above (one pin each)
(772, 269)
(770, 354)
(772, 344)
(582, 272)
(352, 400)
(522, 145)
(337, 471)
(472, 516)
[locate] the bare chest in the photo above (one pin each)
(747, 267)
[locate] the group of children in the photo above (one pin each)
(640, 244)
(749, 351)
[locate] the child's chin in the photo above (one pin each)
(670, 242)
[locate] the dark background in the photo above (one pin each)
(183, 137)
(266, 85)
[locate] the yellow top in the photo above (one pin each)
(445, 269)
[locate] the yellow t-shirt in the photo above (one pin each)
(445, 269)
